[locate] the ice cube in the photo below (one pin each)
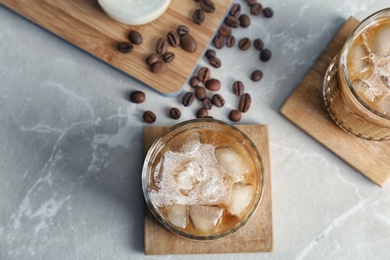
(384, 105)
(188, 176)
(364, 90)
(232, 162)
(205, 218)
(241, 196)
(382, 46)
(386, 81)
(191, 143)
(177, 215)
(359, 61)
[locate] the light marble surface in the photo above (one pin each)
(71, 146)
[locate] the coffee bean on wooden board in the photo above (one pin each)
(215, 62)
(182, 30)
(225, 30)
(207, 6)
(188, 99)
(159, 67)
(135, 37)
(198, 16)
(235, 115)
(213, 84)
(230, 41)
(210, 53)
(235, 10)
(168, 57)
(256, 8)
(202, 113)
(174, 113)
(137, 97)
(244, 44)
(218, 100)
(188, 43)
(244, 103)
(238, 88)
(203, 74)
(219, 41)
(125, 47)
(149, 117)
(268, 12)
(152, 58)
(207, 103)
(232, 21)
(256, 75)
(173, 38)
(161, 45)
(200, 92)
(194, 81)
(259, 44)
(265, 55)
(245, 21)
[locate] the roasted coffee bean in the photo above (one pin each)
(213, 84)
(188, 43)
(244, 44)
(236, 10)
(256, 8)
(238, 88)
(230, 41)
(200, 93)
(219, 41)
(125, 47)
(215, 62)
(245, 20)
(198, 16)
(174, 113)
(168, 57)
(203, 74)
(207, 6)
(210, 53)
(135, 37)
(152, 59)
(188, 99)
(207, 103)
(182, 30)
(225, 30)
(258, 43)
(202, 113)
(257, 75)
(265, 55)
(218, 100)
(251, 2)
(268, 12)
(161, 45)
(194, 82)
(173, 38)
(149, 117)
(235, 115)
(232, 21)
(137, 97)
(159, 67)
(245, 103)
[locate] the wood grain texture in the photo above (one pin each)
(255, 236)
(84, 24)
(305, 108)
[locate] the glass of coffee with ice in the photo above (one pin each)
(203, 179)
(357, 83)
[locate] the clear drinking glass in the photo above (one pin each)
(356, 87)
(203, 179)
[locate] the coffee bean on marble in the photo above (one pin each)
(265, 55)
(238, 88)
(210, 53)
(251, 2)
(173, 38)
(244, 44)
(256, 75)
(161, 45)
(207, 5)
(213, 84)
(203, 74)
(188, 43)
(202, 113)
(232, 21)
(125, 47)
(149, 117)
(137, 97)
(182, 30)
(200, 92)
(225, 30)
(194, 81)
(174, 113)
(244, 103)
(198, 16)
(168, 57)
(268, 12)
(135, 37)
(245, 20)
(219, 41)
(256, 8)
(235, 10)
(230, 41)
(235, 115)
(159, 67)
(207, 103)
(215, 62)
(259, 44)
(218, 100)
(152, 58)
(188, 99)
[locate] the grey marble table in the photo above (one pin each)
(71, 146)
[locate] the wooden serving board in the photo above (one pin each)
(305, 108)
(255, 236)
(84, 24)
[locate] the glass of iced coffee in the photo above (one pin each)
(203, 179)
(357, 83)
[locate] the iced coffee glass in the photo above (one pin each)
(203, 179)
(357, 83)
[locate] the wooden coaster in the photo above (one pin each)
(84, 24)
(255, 236)
(306, 108)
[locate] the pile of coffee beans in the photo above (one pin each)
(135, 38)
(205, 6)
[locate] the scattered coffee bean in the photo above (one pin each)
(244, 44)
(215, 62)
(225, 30)
(194, 82)
(135, 37)
(207, 103)
(198, 16)
(202, 113)
(149, 117)
(256, 75)
(245, 103)
(200, 93)
(174, 113)
(173, 38)
(268, 12)
(219, 41)
(251, 2)
(258, 43)
(213, 84)
(207, 6)
(188, 99)
(238, 88)
(161, 45)
(232, 21)
(245, 21)
(236, 10)
(235, 115)
(125, 47)
(203, 74)
(152, 59)
(265, 55)
(188, 43)
(182, 30)
(218, 100)
(210, 53)
(168, 57)
(256, 8)
(159, 67)
(137, 97)
(230, 41)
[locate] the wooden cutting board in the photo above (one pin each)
(305, 108)
(84, 24)
(255, 236)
